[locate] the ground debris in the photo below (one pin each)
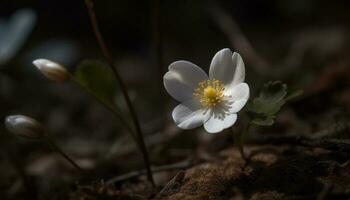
(273, 172)
(269, 195)
(338, 179)
(100, 190)
(173, 186)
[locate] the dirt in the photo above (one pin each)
(271, 172)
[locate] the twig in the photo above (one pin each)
(176, 166)
(105, 51)
(159, 137)
(329, 144)
(238, 40)
(295, 54)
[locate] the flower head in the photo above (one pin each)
(24, 126)
(52, 70)
(212, 101)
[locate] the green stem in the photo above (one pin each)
(106, 53)
(239, 140)
(63, 154)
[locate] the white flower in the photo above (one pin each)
(210, 101)
(52, 70)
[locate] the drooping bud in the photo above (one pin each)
(23, 126)
(52, 70)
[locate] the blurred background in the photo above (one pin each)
(304, 43)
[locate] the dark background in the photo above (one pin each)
(318, 30)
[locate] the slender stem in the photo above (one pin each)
(324, 142)
(237, 38)
(105, 51)
(64, 155)
(239, 140)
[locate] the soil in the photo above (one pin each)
(271, 172)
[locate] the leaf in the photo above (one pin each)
(265, 107)
(97, 79)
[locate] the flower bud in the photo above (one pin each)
(24, 126)
(52, 70)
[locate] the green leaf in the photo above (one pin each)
(97, 79)
(265, 107)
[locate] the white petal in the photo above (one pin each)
(237, 106)
(238, 92)
(239, 95)
(189, 115)
(182, 78)
(239, 75)
(228, 68)
(221, 67)
(216, 124)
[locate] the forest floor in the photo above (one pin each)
(271, 172)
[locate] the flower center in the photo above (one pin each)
(209, 92)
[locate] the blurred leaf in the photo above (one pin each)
(97, 79)
(265, 107)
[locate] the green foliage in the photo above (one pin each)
(97, 79)
(264, 108)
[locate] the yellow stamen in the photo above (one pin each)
(209, 92)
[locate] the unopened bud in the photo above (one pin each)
(24, 126)
(52, 70)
